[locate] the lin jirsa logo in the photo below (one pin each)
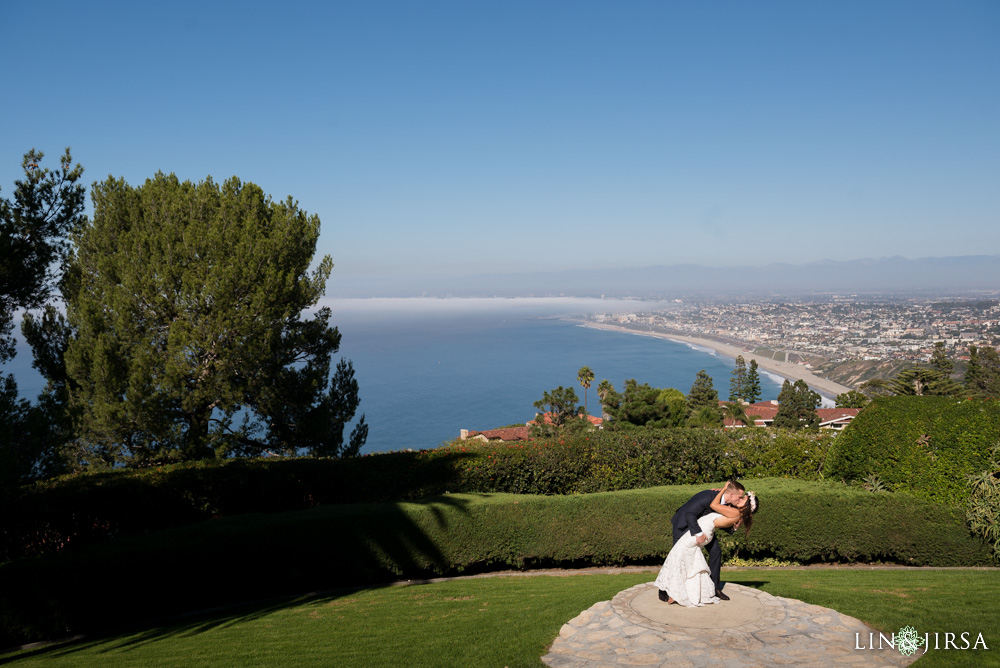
(908, 641)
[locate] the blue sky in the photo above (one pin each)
(449, 138)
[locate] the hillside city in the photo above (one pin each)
(837, 330)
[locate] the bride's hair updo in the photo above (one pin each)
(747, 511)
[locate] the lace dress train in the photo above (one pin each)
(685, 574)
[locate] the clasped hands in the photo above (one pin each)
(701, 539)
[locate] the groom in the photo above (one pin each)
(686, 519)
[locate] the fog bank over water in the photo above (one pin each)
(428, 368)
(884, 275)
(451, 306)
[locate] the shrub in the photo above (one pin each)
(598, 462)
(924, 445)
(983, 512)
(782, 454)
(94, 507)
(256, 556)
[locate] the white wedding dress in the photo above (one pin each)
(685, 575)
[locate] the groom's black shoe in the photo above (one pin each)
(664, 596)
(718, 592)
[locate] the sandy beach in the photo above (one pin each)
(793, 372)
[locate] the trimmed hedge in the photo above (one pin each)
(633, 459)
(95, 507)
(597, 462)
(924, 445)
(256, 556)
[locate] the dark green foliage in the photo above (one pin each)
(93, 507)
(604, 388)
(705, 417)
(982, 377)
(702, 392)
(924, 445)
(923, 382)
(586, 376)
(559, 406)
(703, 403)
(876, 387)
(186, 303)
(739, 382)
(852, 399)
(30, 437)
(940, 361)
(873, 484)
(797, 407)
(766, 453)
(813, 522)
(753, 391)
(737, 413)
(15, 458)
(350, 545)
(983, 510)
(599, 461)
(645, 406)
(34, 227)
(34, 230)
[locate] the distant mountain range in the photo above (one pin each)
(898, 275)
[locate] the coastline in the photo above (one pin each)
(793, 372)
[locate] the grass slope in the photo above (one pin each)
(510, 621)
(255, 556)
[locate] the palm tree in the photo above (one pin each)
(737, 413)
(586, 377)
(604, 389)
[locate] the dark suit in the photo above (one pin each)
(686, 519)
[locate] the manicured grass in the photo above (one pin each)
(257, 556)
(510, 621)
(929, 600)
(504, 621)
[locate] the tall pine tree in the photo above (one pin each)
(35, 228)
(753, 390)
(797, 406)
(982, 377)
(703, 402)
(187, 305)
(922, 382)
(940, 361)
(738, 382)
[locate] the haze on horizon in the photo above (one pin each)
(441, 140)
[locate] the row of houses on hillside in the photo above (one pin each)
(517, 433)
(762, 413)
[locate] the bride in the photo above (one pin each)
(685, 574)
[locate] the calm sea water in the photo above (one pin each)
(428, 368)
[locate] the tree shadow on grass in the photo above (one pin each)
(756, 584)
(132, 637)
(228, 561)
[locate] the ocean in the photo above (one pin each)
(428, 368)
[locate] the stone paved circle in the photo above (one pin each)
(753, 628)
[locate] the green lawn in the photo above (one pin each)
(510, 621)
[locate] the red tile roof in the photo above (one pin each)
(828, 415)
(764, 412)
(505, 434)
(596, 421)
